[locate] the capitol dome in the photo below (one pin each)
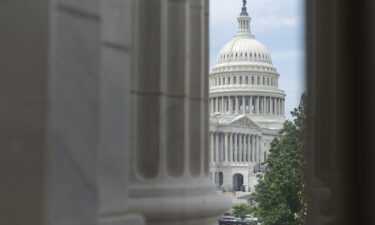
(244, 80)
(244, 49)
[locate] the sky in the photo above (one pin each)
(279, 25)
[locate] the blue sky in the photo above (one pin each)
(279, 25)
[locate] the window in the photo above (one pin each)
(258, 80)
(234, 80)
(252, 79)
(247, 80)
(228, 80)
(240, 80)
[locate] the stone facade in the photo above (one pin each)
(246, 109)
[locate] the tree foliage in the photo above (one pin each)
(279, 194)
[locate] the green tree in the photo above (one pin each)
(241, 210)
(279, 194)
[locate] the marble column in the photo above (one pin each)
(231, 147)
(265, 111)
(243, 105)
(256, 148)
(251, 105)
(221, 149)
(240, 150)
(259, 149)
(235, 146)
(236, 105)
(226, 154)
(212, 147)
(230, 104)
(222, 105)
(216, 105)
(245, 148)
(248, 148)
(216, 137)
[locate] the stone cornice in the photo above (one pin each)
(246, 92)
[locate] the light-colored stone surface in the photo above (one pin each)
(246, 108)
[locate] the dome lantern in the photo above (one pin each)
(244, 22)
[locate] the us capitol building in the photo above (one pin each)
(246, 109)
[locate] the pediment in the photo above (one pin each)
(244, 121)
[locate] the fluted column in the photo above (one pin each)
(226, 157)
(170, 145)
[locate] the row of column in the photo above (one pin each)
(235, 147)
(265, 105)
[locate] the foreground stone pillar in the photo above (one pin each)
(169, 171)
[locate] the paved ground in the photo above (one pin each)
(239, 198)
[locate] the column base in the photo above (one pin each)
(185, 203)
